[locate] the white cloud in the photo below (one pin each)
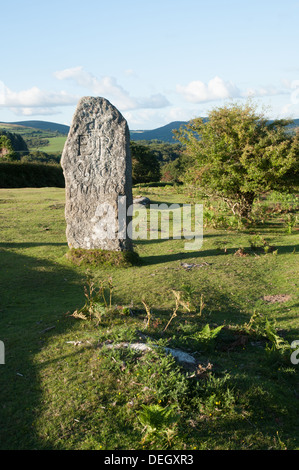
(216, 89)
(109, 88)
(34, 100)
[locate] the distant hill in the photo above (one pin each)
(44, 125)
(295, 123)
(161, 133)
(164, 133)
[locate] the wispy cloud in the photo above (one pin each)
(265, 91)
(38, 111)
(34, 101)
(111, 89)
(153, 118)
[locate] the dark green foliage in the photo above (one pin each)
(5, 146)
(164, 151)
(174, 171)
(12, 146)
(157, 184)
(30, 175)
(36, 156)
(145, 166)
(37, 139)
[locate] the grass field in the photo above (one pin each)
(64, 385)
(55, 145)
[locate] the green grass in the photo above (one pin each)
(63, 388)
(55, 145)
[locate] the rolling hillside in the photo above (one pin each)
(164, 133)
(44, 125)
(45, 136)
(50, 137)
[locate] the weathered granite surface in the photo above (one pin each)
(97, 167)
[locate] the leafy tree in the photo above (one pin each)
(12, 146)
(5, 146)
(237, 154)
(173, 171)
(164, 151)
(145, 166)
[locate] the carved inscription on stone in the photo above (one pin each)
(97, 167)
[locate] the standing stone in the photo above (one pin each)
(97, 167)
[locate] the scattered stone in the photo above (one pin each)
(57, 206)
(188, 266)
(47, 329)
(181, 356)
(145, 201)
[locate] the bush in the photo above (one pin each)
(237, 155)
(32, 175)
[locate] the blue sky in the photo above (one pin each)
(157, 61)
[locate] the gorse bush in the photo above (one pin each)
(236, 154)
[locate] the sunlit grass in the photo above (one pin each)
(62, 388)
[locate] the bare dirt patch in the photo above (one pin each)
(277, 298)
